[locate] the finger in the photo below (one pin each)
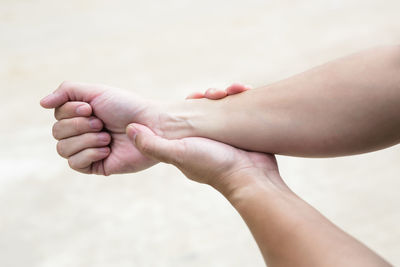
(76, 126)
(98, 168)
(71, 91)
(153, 146)
(72, 109)
(237, 88)
(83, 160)
(70, 146)
(195, 95)
(215, 94)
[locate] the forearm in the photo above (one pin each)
(350, 105)
(289, 232)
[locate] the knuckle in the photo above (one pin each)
(72, 164)
(57, 114)
(62, 111)
(64, 84)
(55, 131)
(61, 149)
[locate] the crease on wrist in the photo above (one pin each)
(176, 122)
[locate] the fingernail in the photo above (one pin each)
(103, 137)
(103, 150)
(82, 110)
(95, 123)
(132, 132)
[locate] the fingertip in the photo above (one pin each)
(54, 100)
(215, 94)
(104, 150)
(44, 102)
(131, 131)
(210, 91)
(236, 88)
(104, 137)
(100, 153)
(84, 110)
(237, 85)
(95, 124)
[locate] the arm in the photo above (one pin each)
(287, 230)
(344, 107)
(348, 106)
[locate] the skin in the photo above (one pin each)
(104, 149)
(344, 107)
(288, 231)
(91, 123)
(347, 106)
(216, 94)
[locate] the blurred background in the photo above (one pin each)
(164, 49)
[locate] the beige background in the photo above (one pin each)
(52, 216)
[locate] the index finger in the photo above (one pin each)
(73, 109)
(72, 91)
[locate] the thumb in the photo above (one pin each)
(154, 146)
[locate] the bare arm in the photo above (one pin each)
(288, 231)
(347, 106)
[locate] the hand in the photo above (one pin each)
(216, 94)
(105, 149)
(206, 161)
(93, 137)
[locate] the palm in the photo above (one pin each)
(204, 160)
(208, 159)
(117, 108)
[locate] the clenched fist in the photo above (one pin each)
(91, 127)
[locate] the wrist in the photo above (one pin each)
(188, 118)
(175, 120)
(240, 189)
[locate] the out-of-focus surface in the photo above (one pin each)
(52, 216)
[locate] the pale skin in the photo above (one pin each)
(321, 112)
(346, 106)
(288, 231)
